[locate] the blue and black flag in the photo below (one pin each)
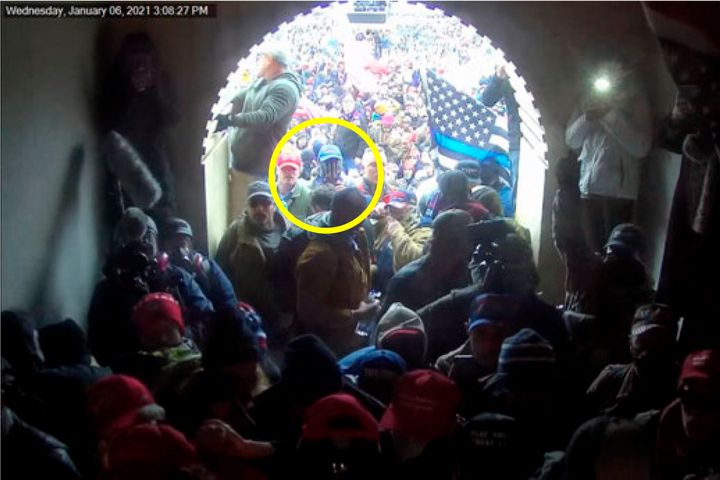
(462, 128)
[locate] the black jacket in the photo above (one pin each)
(349, 142)
(31, 453)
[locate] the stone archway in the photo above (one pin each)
(532, 163)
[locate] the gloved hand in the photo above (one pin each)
(223, 122)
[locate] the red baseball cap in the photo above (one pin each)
(157, 306)
(150, 448)
(339, 416)
(424, 406)
(291, 160)
(400, 198)
(114, 401)
(702, 365)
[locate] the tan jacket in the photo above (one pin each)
(408, 241)
(333, 277)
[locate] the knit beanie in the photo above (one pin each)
(524, 353)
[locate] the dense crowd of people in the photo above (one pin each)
(413, 345)
(277, 359)
(372, 78)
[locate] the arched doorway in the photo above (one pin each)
(466, 61)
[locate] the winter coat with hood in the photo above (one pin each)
(264, 111)
(248, 266)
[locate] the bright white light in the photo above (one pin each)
(602, 84)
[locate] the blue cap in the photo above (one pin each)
(370, 357)
(382, 360)
(492, 309)
(328, 152)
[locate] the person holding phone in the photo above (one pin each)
(487, 326)
(612, 130)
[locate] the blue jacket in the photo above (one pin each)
(212, 280)
(110, 329)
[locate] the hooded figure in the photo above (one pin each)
(139, 105)
(230, 376)
(608, 447)
(503, 265)
(401, 331)
(52, 398)
(64, 344)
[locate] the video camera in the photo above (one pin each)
(498, 247)
(135, 268)
(488, 231)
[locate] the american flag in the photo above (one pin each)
(462, 127)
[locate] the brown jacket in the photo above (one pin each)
(247, 266)
(333, 277)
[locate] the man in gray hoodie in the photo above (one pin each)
(261, 114)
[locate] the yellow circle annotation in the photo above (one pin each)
(273, 185)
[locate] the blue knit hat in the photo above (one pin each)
(523, 351)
